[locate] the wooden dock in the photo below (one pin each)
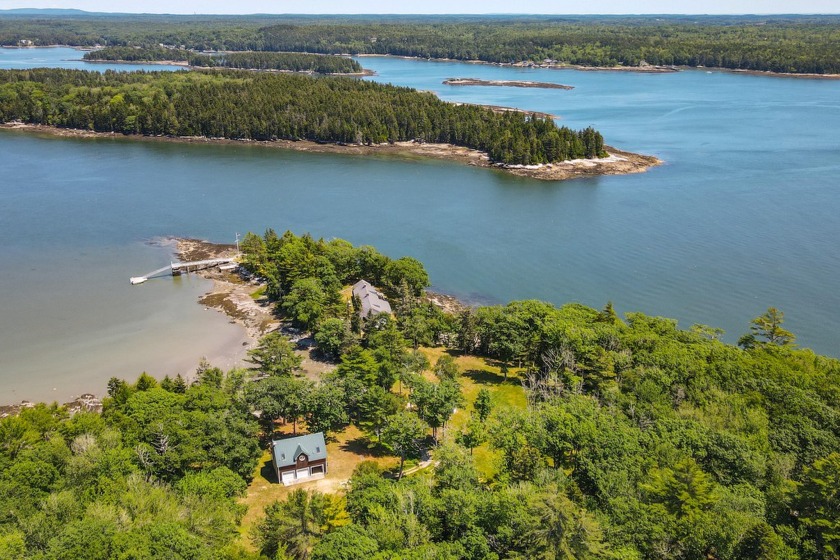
(176, 268)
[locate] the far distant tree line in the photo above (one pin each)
(795, 44)
(780, 46)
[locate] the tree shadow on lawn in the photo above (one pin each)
(484, 377)
(491, 362)
(365, 447)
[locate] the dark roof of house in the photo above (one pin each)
(286, 451)
(372, 300)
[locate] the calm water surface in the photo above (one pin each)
(64, 57)
(741, 217)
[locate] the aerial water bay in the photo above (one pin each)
(65, 57)
(742, 216)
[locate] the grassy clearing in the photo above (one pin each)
(348, 450)
(478, 373)
(352, 446)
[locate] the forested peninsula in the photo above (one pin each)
(270, 107)
(290, 62)
(779, 44)
(499, 432)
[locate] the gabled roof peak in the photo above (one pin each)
(371, 299)
(286, 451)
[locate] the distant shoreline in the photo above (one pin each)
(766, 73)
(618, 163)
(650, 69)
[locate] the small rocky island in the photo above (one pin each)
(505, 83)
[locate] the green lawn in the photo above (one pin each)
(351, 446)
(477, 373)
(348, 450)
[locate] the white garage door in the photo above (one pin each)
(303, 473)
(288, 476)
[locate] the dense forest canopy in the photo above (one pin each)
(249, 60)
(581, 435)
(797, 44)
(260, 106)
(773, 47)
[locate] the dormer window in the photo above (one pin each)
(292, 459)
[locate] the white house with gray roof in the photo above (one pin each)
(299, 459)
(372, 301)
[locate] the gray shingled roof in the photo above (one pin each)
(286, 451)
(372, 300)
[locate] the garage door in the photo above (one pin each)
(288, 476)
(318, 469)
(303, 473)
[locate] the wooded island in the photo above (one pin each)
(291, 62)
(228, 104)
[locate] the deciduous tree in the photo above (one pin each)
(403, 432)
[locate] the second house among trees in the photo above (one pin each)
(371, 301)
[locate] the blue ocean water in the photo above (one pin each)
(742, 216)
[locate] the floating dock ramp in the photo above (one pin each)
(176, 268)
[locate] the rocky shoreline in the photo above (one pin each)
(233, 293)
(504, 83)
(83, 403)
(242, 300)
(618, 163)
(241, 297)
